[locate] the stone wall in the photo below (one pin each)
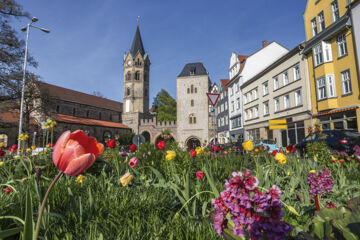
(154, 128)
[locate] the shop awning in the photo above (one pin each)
(335, 111)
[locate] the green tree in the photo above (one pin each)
(165, 106)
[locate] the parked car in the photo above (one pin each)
(237, 146)
(267, 143)
(343, 140)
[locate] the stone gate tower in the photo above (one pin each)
(136, 83)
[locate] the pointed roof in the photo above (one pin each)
(137, 45)
(193, 69)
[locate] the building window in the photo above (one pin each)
(195, 90)
(245, 99)
(192, 119)
(74, 111)
(276, 83)
(266, 108)
(298, 100)
(231, 91)
(192, 88)
(342, 47)
(192, 102)
(321, 85)
(137, 75)
(221, 95)
(285, 78)
(327, 50)
(128, 91)
(219, 122)
(286, 101)
(296, 72)
(238, 103)
(265, 88)
(318, 57)
(313, 27)
(100, 115)
(277, 104)
(249, 96)
(128, 76)
(110, 117)
(188, 90)
(146, 92)
(87, 113)
(256, 112)
(321, 21)
(346, 82)
(226, 120)
(246, 115)
(221, 107)
(326, 87)
(232, 106)
(57, 108)
(255, 93)
(226, 105)
(222, 121)
(335, 10)
(250, 114)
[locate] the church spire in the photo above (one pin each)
(137, 45)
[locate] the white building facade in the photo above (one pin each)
(242, 68)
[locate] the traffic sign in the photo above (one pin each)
(273, 127)
(277, 121)
(213, 97)
(138, 139)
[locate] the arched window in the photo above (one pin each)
(192, 102)
(99, 115)
(128, 91)
(128, 76)
(195, 90)
(87, 113)
(4, 139)
(138, 63)
(192, 88)
(57, 108)
(137, 75)
(192, 119)
(188, 90)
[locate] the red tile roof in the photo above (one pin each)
(79, 97)
(224, 82)
(87, 121)
(242, 57)
(13, 116)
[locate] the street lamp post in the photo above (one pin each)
(27, 29)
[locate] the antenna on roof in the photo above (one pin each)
(138, 19)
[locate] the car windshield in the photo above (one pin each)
(269, 141)
(310, 137)
(351, 134)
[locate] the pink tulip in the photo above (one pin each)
(75, 152)
(133, 162)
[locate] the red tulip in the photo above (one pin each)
(13, 148)
(111, 157)
(193, 153)
(51, 144)
(133, 162)
(123, 154)
(216, 148)
(132, 148)
(75, 152)
(8, 190)
(274, 152)
(161, 145)
(315, 148)
(200, 175)
(2, 153)
(342, 160)
(111, 143)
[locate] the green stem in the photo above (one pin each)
(177, 213)
(43, 204)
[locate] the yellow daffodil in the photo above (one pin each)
(80, 178)
(280, 157)
(2, 144)
(2, 164)
(312, 171)
(288, 173)
(23, 137)
(16, 157)
(28, 150)
(33, 147)
(199, 150)
(248, 145)
(287, 151)
(170, 155)
(23, 179)
(126, 179)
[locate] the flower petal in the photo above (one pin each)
(60, 147)
(73, 150)
(94, 147)
(81, 137)
(79, 164)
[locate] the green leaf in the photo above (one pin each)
(10, 232)
(212, 184)
(29, 224)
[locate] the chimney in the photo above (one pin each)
(264, 43)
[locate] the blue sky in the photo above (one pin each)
(88, 39)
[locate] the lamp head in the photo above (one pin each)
(23, 29)
(34, 19)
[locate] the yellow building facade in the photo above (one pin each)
(333, 73)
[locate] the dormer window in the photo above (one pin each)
(192, 71)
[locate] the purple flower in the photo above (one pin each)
(321, 182)
(259, 214)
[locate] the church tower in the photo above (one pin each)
(136, 83)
